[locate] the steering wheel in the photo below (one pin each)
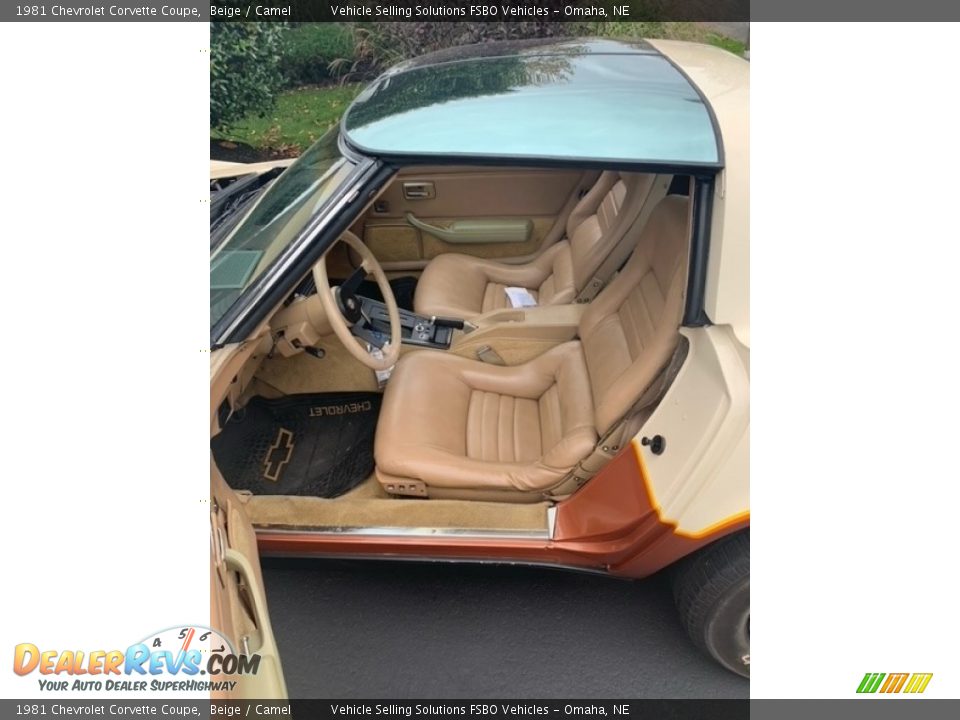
(343, 307)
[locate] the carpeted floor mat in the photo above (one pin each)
(319, 445)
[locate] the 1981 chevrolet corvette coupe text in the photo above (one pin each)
(500, 313)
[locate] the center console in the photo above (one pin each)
(515, 335)
(417, 330)
(505, 337)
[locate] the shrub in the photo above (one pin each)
(308, 51)
(380, 45)
(244, 69)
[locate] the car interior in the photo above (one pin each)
(472, 351)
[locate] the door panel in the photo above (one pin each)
(393, 241)
(238, 603)
(480, 192)
(523, 208)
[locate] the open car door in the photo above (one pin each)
(238, 603)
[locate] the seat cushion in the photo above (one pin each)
(463, 286)
(452, 422)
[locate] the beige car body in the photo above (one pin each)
(221, 169)
(707, 408)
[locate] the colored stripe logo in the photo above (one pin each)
(894, 682)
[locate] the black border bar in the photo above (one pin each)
(540, 11)
(459, 10)
(874, 708)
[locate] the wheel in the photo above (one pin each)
(712, 592)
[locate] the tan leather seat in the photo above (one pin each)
(462, 286)
(455, 427)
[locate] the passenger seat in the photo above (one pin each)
(463, 286)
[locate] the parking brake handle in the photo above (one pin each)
(447, 322)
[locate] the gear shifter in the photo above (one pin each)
(432, 332)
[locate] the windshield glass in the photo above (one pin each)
(275, 219)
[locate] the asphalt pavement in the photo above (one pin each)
(402, 630)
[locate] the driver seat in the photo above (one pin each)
(452, 427)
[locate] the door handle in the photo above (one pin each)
(419, 191)
(235, 560)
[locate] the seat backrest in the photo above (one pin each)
(631, 328)
(601, 219)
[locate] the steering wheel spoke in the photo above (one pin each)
(352, 284)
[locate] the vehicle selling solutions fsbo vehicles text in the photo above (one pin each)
(480, 10)
(488, 709)
(512, 709)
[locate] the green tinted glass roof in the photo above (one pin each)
(585, 103)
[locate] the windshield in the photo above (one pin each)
(274, 221)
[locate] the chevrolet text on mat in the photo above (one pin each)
(500, 313)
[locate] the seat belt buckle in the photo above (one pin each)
(488, 355)
(590, 291)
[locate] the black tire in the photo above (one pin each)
(712, 592)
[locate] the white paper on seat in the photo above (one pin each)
(520, 297)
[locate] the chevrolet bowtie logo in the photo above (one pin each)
(278, 455)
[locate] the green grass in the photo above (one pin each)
(299, 118)
(728, 44)
(690, 31)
